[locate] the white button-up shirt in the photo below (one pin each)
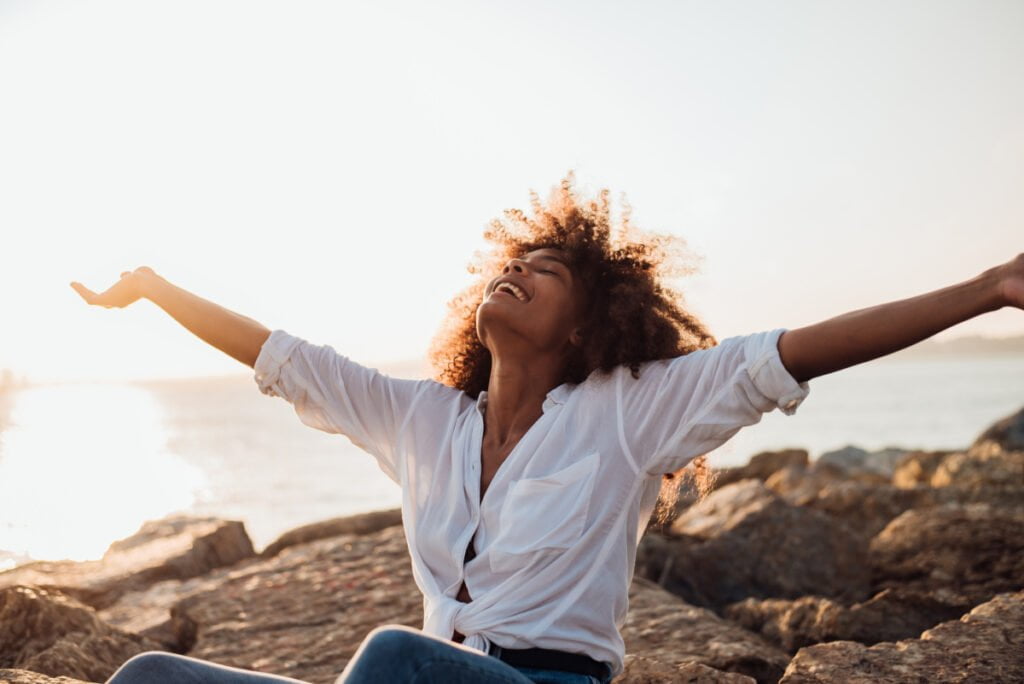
(556, 533)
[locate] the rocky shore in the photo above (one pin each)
(892, 566)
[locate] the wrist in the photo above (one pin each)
(993, 284)
(147, 281)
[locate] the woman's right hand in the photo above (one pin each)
(120, 294)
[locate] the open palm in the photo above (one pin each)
(120, 294)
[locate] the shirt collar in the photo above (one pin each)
(556, 396)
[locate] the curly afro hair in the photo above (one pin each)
(631, 314)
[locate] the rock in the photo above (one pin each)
(983, 466)
(744, 540)
(1006, 432)
(790, 624)
(304, 612)
(148, 611)
(640, 670)
(364, 523)
(856, 463)
(761, 466)
(29, 677)
(177, 547)
(972, 549)
(800, 486)
(662, 628)
(51, 633)
(917, 468)
(986, 646)
(867, 508)
(888, 616)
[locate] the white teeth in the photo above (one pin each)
(514, 289)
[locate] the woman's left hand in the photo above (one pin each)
(1011, 281)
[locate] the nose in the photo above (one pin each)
(518, 264)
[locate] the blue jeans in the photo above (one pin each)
(391, 654)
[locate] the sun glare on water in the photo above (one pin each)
(84, 465)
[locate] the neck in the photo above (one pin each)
(515, 397)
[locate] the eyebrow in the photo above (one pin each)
(553, 258)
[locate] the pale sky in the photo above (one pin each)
(328, 168)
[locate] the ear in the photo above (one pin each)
(576, 337)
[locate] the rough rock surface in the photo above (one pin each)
(890, 615)
(364, 523)
(743, 540)
(761, 466)
(641, 670)
(800, 485)
(986, 465)
(986, 646)
(663, 628)
(50, 633)
(177, 547)
(972, 549)
(148, 611)
(864, 466)
(867, 509)
(29, 677)
(1006, 432)
(918, 467)
(304, 612)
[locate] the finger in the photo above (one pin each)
(125, 273)
(87, 294)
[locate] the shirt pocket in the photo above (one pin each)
(543, 514)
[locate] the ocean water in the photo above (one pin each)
(82, 465)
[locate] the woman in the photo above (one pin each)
(573, 389)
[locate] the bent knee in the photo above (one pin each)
(393, 640)
(144, 665)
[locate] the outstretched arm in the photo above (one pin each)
(236, 335)
(866, 334)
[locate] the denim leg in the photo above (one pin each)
(538, 676)
(395, 654)
(159, 666)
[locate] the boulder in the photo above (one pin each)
(364, 523)
(976, 550)
(641, 670)
(147, 611)
(177, 547)
(890, 615)
(986, 646)
(1007, 433)
(666, 630)
(868, 508)
(29, 677)
(304, 612)
(761, 466)
(862, 465)
(984, 466)
(51, 633)
(744, 540)
(799, 485)
(918, 467)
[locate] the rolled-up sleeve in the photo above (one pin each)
(689, 405)
(332, 393)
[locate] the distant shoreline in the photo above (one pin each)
(972, 345)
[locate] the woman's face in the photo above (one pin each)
(534, 305)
